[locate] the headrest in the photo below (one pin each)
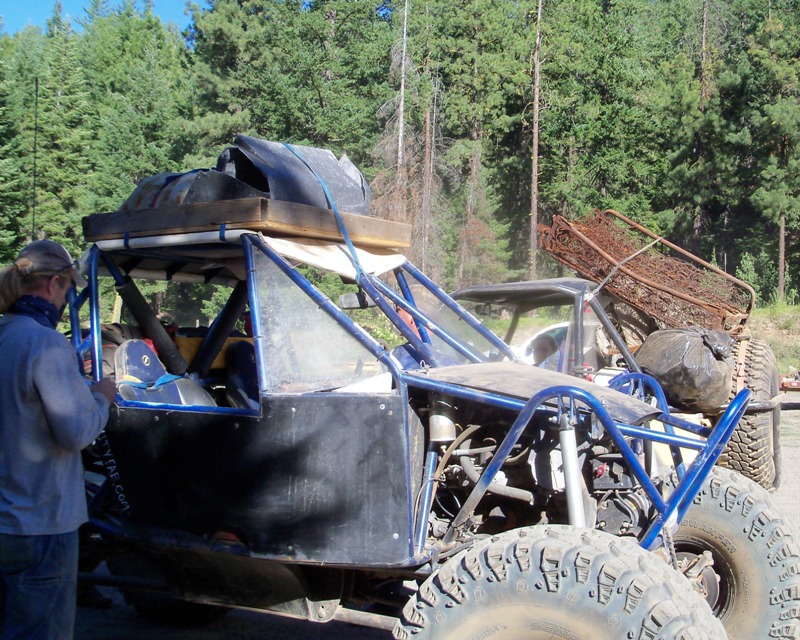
(135, 361)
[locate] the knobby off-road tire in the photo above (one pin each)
(754, 584)
(556, 583)
(754, 448)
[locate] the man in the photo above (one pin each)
(48, 415)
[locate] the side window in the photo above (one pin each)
(303, 348)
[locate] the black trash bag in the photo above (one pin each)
(259, 168)
(198, 185)
(274, 168)
(694, 366)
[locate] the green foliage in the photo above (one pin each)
(747, 270)
(697, 141)
(307, 72)
(137, 78)
(761, 274)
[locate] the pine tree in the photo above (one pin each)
(137, 72)
(64, 139)
(13, 201)
(776, 53)
(23, 65)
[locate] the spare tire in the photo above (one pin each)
(754, 448)
(753, 585)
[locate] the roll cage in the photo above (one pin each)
(451, 339)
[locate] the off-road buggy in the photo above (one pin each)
(428, 484)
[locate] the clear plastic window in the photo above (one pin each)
(304, 348)
(452, 323)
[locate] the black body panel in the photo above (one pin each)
(322, 478)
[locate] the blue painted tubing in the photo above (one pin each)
(428, 483)
(681, 498)
(644, 384)
(521, 423)
(418, 316)
(401, 280)
(467, 317)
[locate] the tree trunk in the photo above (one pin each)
(401, 109)
(535, 150)
(472, 202)
(782, 257)
(427, 190)
(705, 80)
(400, 177)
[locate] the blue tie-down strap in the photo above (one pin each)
(138, 384)
(332, 204)
(163, 391)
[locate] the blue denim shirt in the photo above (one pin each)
(47, 415)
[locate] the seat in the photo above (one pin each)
(241, 384)
(142, 377)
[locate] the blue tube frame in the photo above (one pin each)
(669, 511)
(456, 308)
(426, 322)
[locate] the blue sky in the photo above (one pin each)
(17, 14)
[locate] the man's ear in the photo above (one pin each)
(53, 284)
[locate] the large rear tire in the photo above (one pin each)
(556, 583)
(754, 583)
(754, 448)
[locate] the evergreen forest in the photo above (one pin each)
(470, 118)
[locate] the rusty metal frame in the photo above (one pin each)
(732, 317)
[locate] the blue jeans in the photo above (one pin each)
(38, 582)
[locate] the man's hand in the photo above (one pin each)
(108, 387)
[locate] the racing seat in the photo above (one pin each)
(241, 386)
(142, 377)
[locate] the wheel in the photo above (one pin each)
(556, 583)
(754, 448)
(754, 583)
(156, 606)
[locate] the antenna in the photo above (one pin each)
(35, 149)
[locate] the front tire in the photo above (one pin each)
(754, 584)
(556, 583)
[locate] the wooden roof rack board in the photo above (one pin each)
(663, 280)
(260, 214)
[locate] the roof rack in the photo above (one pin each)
(260, 214)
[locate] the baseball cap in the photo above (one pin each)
(47, 257)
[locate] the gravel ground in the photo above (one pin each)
(121, 622)
(788, 494)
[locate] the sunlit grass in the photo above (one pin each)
(779, 326)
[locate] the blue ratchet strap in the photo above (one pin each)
(334, 208)
(126, 240)
(222, 232)
(167, 377)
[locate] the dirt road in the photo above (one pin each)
(121, 622)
